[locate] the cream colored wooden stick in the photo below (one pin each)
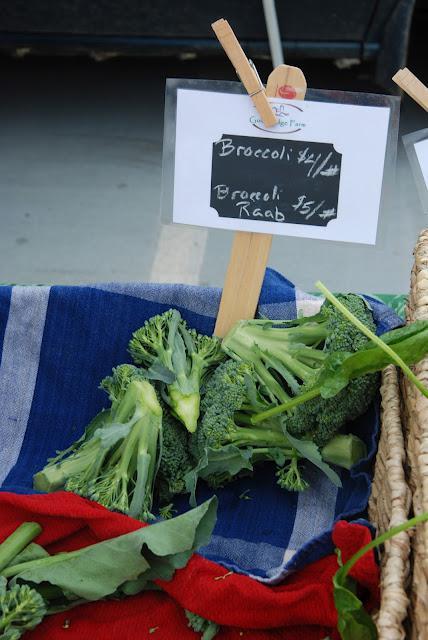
(250, 251)
(246, 72)
(244, 279)
(407, 81)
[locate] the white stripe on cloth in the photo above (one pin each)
(243, 553)
(204, 302)
(315, 513)
(306, 304)
(19, 367)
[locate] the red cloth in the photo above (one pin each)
(299, 609)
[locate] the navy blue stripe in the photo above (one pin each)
(5, 295)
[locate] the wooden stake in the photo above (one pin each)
(407, 81)
(244, 279)
(250, 251)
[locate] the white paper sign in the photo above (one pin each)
(421, 149)
(317, 174)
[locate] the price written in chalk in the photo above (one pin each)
(274, 180)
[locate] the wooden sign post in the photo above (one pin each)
(250, 251)
(407, 81)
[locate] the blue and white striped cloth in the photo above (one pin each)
(57, 343)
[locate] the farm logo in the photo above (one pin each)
(289, 116)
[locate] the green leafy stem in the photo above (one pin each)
(353, 622)
(373, 337)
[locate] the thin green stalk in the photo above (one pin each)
(374, 338)
(384, 537)
(14, 570)
(17, 542)
(286, 406)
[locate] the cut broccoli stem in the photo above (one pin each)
(179, 358)
(83, 454)
(286, 406)
(344, 450)
(17, 542)
(373, 337)
(185, 406)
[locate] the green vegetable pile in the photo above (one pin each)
(195, 407)
(34, 584)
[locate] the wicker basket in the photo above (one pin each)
(389, 505)
(416, 423)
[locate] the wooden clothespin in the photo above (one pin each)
(250, 251)
(407, 81)
(246, 70)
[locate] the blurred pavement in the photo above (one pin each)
(80, 174)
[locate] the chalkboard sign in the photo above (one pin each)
(273, 180)
(319, 176)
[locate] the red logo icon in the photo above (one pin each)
(286, 91)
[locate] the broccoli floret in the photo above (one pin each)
(175, 460)
(293, 354)
(224, 444)
(180, 358)
(21, 608)
(321, 418)
(226, 394)
(290, 478)
(207, 628)
(116, 460)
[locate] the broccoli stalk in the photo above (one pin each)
(178, 357)
(75, 460)
(116, 460)
(17, 542)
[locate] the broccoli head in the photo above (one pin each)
(224, 444)
(180, 358)
(116, 461)
(21, 608)
(206, 628)
(289, 359)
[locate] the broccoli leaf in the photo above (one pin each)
(97, 571)
(410, 344)
(354, 623)
(309, 450)
(227, 461)
(158, 371)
